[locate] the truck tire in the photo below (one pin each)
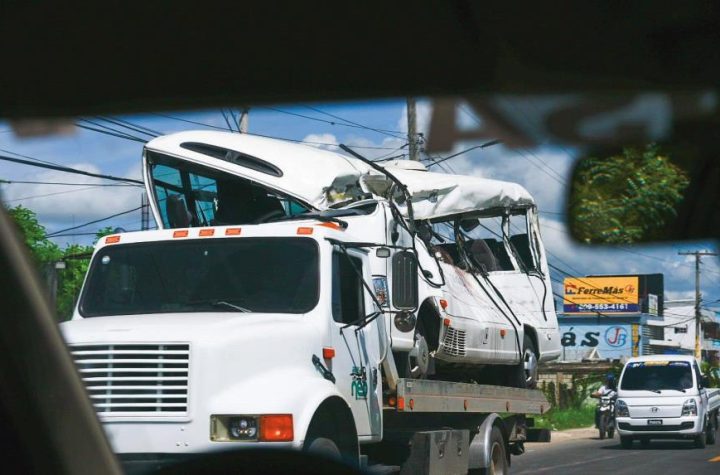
(323, 447)
(498, 456)
(525, 374)
(626, 442)
(712, 430)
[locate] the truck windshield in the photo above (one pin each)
(657, 376)
(273, 275)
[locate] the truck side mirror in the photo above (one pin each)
(404, 281)
(704, 381)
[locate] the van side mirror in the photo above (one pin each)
(404, 281)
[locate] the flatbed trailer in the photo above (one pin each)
(440, 427)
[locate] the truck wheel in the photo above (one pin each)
(418, 358)
(323, 447)
(626, 442)
(498, 456)
(525, 374)
(712, 431)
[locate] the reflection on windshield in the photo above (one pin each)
(276, 275)
(657, 376)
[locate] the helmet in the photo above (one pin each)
(610, 377)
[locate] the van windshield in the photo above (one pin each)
(657, 376)
(273, 275)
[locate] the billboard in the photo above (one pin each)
(610, 341)
(607, 295)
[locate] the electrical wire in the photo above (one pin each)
(68, 170)
(62, 231)
(391, 133)
(62, 183)
(397, 135)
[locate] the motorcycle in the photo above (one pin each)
(606, 417)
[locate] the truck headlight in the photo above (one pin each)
(689, 408)
(264, 428)
(621, 409)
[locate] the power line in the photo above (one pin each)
(60, 183)
(391, 133)
(130, 126)
(397, 135)
(202, 124)
(49, 194)
(54, 234)
(108, 131)
(485, 145)
(69, 170)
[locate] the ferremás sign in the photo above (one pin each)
(590, 295)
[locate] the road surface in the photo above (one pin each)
(580, 451)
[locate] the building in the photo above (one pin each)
(675, 334)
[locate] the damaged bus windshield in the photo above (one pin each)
(271, 275)
(190, 195)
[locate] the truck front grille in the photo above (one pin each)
(454, 342)
(135, 379)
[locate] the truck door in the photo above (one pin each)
(356, 364)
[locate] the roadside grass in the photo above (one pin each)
(562, 419)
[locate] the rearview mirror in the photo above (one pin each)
(642, 195)
(404, 281)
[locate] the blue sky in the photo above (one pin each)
(61, 207)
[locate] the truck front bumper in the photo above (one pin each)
(669, 428)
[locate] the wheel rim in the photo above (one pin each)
(419, 358)
(531, 368)
(497, 463)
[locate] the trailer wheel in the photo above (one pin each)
(498, 455)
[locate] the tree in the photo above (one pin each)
(627, 197)
(46, 253)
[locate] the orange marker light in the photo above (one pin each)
(112, 239)
(412, 404)
(180, 233)
(276, 428)
(207, 232)
(443, 304)
(233, 231)
(502, 333)
(401, 403)
(446, 322)
(328, 353)
(332, 225)
(392, 402)
(304, 230)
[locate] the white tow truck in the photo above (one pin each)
(295, 297)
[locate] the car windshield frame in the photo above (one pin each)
(307, 275)
(646, 369)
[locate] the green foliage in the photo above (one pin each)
(42, 249)
(626, 198)
(712, 371)
(561, 419)
(46, 253)
(574, 395)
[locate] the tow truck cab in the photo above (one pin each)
(189, 339)
(665, 397)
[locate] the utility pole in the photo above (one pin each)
(244, 120)
(412, 129)
(698, 297)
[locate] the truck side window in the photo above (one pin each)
(348, 304)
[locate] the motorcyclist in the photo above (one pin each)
(608, 389)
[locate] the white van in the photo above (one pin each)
(665, 397)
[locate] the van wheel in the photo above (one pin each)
(626, 442)
(525, 374)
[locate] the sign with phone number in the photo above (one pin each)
(601, 307)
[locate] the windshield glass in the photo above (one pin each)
(274, 275)
(657, 376)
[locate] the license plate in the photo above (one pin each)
(654, 422)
